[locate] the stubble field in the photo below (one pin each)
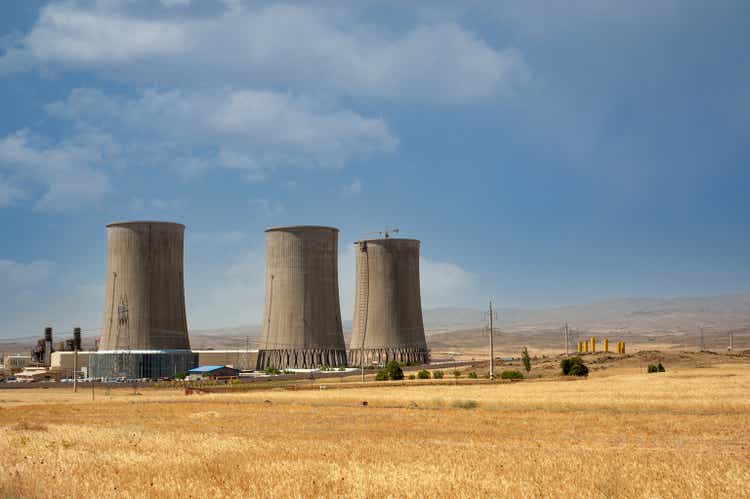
(683, 433)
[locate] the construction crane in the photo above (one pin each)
(388, 232)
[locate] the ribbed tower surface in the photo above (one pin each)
(302, 316)
(144, 301)
(387, 321)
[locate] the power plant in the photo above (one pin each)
(387, 321)
(144, 331)
(302, 316)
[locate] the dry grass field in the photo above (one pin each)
(683, 433)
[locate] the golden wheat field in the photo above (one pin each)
(683, 433)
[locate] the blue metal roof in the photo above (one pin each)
(207, 369)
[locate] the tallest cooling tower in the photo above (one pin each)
(302, 315)
(144, 306)
(388, 310)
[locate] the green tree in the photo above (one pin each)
(526, 359)
(394, 370)
(423, 374)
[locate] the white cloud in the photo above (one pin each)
(352, 189)
(305, 47)
(247, 130)
(9, 192)
(70, 170)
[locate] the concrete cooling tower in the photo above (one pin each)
(144, 306)
(302, 315)
(388, 309)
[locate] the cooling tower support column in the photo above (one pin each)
(302, 316)
(387, 321)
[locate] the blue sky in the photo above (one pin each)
(545, 154)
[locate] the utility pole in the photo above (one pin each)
(492, 346)
(565, 338)
(703, 346)
(75, 369)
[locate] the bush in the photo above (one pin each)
(579, 370)
(652, 368)
(661, 368)
(473, 375)
(574, 366)
(511, 375)
(382, 375)
(438, 374)
(526, 359)
(423, 374)
(272, 370)
(411, 376)
(394, 370)
(456, 374)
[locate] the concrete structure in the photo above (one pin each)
(34, 374)
(388, 309)
(64, 363)
(302, 315)
(244, 360)
(144, 302)
(138, 364)
(16, 362)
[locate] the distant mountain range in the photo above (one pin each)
(636, 314)
(721, 312)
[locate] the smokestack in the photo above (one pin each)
(77, 339)
(302, 315)
(388, 321)
(47, 346)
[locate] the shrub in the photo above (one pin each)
(394, 370)
(423, 374)
(511, 375)
(179, 376)
(342, 368)
(526, 359)
(272, 370)
(456, 374)
(411, 376)
(473, 375)
(382, 375)
(661, 368)
(579, 369)
(574, 366)
(438, 374)
(652, 368)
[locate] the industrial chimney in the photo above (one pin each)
(47, 346)
(388, 309)
(302, 315)
(77, 339)
(144, 305)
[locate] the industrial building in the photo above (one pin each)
(302, 315)
(144, 331)
(387, 321)
(212, 372)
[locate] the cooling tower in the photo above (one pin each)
(302, 315)
(144, 305)
(388, 309)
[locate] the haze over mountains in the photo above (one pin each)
(635, 314)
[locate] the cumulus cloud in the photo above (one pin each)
(69, 171)
(301, 46)
(9, 192)
(247, 130)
